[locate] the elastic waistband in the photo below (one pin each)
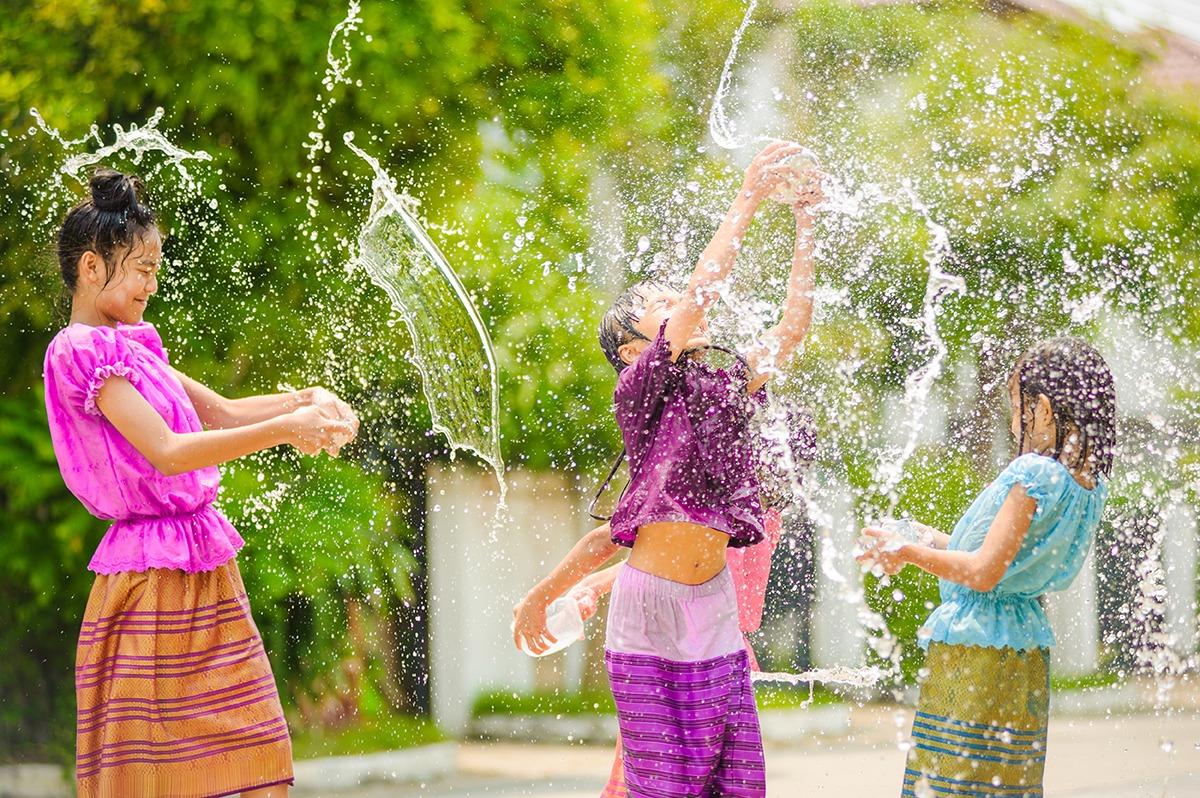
(202, 510)
(632, 578)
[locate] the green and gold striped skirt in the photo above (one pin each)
(980, 727)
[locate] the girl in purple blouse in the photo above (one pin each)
(175, 693)
(676, 660)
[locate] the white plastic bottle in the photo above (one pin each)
(564, 622)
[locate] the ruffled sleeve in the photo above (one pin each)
(1040, 476)
(642, 388)
(83, 358)
(1060, 533)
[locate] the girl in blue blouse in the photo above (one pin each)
(980, 725)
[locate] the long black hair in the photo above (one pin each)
(1074, 377)
(110, 220)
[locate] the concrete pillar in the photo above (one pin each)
(1075, 618)
(480, 564)
(1179, 561)
(836, 632)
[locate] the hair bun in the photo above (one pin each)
(115, 191)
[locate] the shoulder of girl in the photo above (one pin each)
(1038, 471)
(82, 336)
(1031, 461)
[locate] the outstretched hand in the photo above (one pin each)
(529, 624)
(885, 549)
(331, 406)
(767, 169)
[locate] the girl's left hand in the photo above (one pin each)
(809, 196)
(887, 551)
(588, 599)
(332, 406)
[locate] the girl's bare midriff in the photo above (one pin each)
(681, 552)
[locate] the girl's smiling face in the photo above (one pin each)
(123, 298)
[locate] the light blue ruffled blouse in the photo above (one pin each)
(1049, 558)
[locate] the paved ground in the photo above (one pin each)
(1122, 756)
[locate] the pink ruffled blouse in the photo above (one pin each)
(160, 521)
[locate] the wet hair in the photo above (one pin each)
(1074, 377)
(109, 221)
(617, 327)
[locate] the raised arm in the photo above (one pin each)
(529, 616)
(981, 569)
(777, 343)
(716, 261)
(306, 428)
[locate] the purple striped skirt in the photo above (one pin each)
(680, 675)
(175, 693)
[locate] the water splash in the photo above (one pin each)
(852, 677)
(452, 346)
(338, 60)
(834, 562)
(137, 141)
(939, 285)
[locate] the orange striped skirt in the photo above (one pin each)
(175, 693)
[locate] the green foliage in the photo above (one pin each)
(544, 702)
(326, 565)
(390, 732)
(44, 584)
(1056, 172)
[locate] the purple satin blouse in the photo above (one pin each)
(689, 448)
(160, 521)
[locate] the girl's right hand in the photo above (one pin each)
(765, 172)
(884, 549)
(529, 623)
(314, 432)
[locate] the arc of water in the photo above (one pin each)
(723, 131)
(447, 332)
(918, 384)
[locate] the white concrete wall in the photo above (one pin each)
(1075, 618)
(837, 636)
(480, 564)
(1179, 561)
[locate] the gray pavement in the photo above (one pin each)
(1117, 756)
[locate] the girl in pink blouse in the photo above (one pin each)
(175, 693)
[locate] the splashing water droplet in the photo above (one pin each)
(452, 347)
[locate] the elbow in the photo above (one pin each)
(168, 462)
(168, 468)
(984, 580)
(600, 542)
(986, 585)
